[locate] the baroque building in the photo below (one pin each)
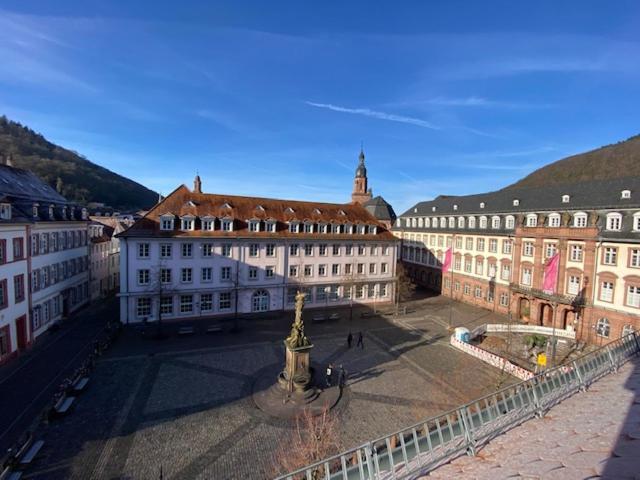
(43, 259)
(501, 242)
(105, 254)
(198, 254)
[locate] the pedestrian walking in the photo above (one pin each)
(360, 342)
(329, 373)
(349, 340)
(343, 377)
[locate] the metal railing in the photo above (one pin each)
(437, 440)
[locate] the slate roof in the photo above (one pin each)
(182, 202)
(23, 184)
(379, 208)
(596, 194)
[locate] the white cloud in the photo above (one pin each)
(379, 115)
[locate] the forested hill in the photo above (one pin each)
(75, 177)
(619, 160)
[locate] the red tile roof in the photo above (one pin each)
(183, 202)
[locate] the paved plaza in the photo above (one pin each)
(183, 406)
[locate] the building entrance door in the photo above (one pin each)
(21, 333)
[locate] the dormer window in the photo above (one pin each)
(580, 220)
(208, 223)
(433, 209)
(316, 211)
(452, 222)
(83, 213)
(323, 228)
(510, 222)
(532, 220)
(415, 209)
(35, 210)
(335, 228)
(427, 222)
(481, 205)
(294, 227)
(373, 229)
(64, 213)
(472, 222)
(289, 210)
(554, 220)
(188, 223)
(495, 222)
(455, 207)
(166, 222)
(308, 227)
(516, 202)
(5, 211)
(483, 222)
(443, 222)
(348, 228)
(254, 225)
(260, 208)
(399, 222)
(625, 194)
(614, 222)
(270, 226)
(636, 221)
(460, 222)
(227, 206)
(342, 213)
(361, 229)
(226, 225)
(51, 217)
(566, 198)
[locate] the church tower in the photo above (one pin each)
(361, 193)
(197, 184)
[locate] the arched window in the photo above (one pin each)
(495, 222)
(636, 221)
(452, 222)
(472, 222)
(420, 222)
(554, 220)
(510, 222)
(532, 220)
(260, 301)
(483, 222)
(413, 222)
(443, 222)
(627, 329)
(603, 327)
(614, 221)
(580, 220)
(460, 222)
(427, 222)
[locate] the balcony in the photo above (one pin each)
(574, 300)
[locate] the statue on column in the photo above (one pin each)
(297, 338)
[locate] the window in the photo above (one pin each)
(18, 288)
(143, 307)
(143, 277)
(614, 221)
(467, 289)
(627, 330)
(554, 220)
(361, 250)
(634, 257)
(603, 327)
(260, 301)
(469, 243)
(18, 248)
(633, 296)
(143, 250)
(384, 290)
(322, 249)
(467, 265)
(187, 250)
(610, 256)
(186, 275)
(516, 202)
(549, 250)
(478, 292)
(480, 244)
(573, 285)
(166, 305)
(208, 224)
(625, 194)
(166, 223)
(270, 226)
(308, 228)
(458, 242)
(308, 249)
(294, 249)
(254, 226)
(165, 250)
(457, 263)
(504, 299)
(580, 220)
(308, 270)
(636, 221)
(507, 246)
(532, 220)
(254, 249)
(188, 223)
(253, 273)
(372, 268)
(527, 249)
(566, 198)
(452, 222)
(360, 268)
(526, 276)
(606, 291)
(225, 273)
(224, 301)
(479, 267)
(472, 222)
(348, 249)
(270, 250)
(493, 245)
(294, 227)
(207, 250)
(206, 274)
(384, 268)
(348, 269)
(335, 269)
(186, 303)
(269, 271)
(165, 275)
(575, 253)
(226, 250)
(293, 270)
(495, 223)
(227, 225)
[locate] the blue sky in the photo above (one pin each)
(274, 98)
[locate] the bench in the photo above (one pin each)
(31, 453)
(186, 330)
(319, 317)
(214, 328)
(64, 404)
(80, 384)
(334, 316)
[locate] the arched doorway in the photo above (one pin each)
(260, 301)
(524, 309)
(545, 315)
(568, 318)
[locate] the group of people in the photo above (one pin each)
(341, 372)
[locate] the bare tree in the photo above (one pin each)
(314, 438)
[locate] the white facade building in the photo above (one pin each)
(200, 255)
(104, 261)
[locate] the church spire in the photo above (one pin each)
(197, 184)
(361, 193)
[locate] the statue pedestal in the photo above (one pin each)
(297, 372)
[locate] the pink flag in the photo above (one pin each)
(446, 266)
(550, 279)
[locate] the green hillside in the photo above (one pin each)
(73, 176)
(619, 160)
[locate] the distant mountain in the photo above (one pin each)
(72, 175)
(619, 160)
